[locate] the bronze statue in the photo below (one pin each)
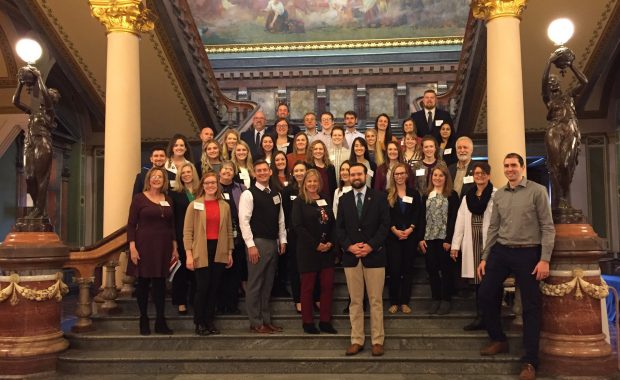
(562, 138)
(38, 150)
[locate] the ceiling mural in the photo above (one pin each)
(327, 22)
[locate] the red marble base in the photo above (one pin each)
(559, 365)
(27, 366)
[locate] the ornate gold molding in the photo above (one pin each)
(123, 15)
(489, 9)
(54, 291)
(579, 284)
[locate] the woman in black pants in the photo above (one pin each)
(404, 204)
(438, 216)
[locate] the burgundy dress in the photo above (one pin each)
(151, 226)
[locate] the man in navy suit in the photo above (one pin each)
(428, 121)
(253, 135)
(363, 222)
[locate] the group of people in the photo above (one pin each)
(313, 199)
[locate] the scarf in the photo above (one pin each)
(476, 205)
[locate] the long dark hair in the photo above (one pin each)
(275, 175)
(188, 150)
(388, 130)
(352, 156)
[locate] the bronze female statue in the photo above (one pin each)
(562, 137)
(38, 152)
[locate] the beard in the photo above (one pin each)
(358, 184)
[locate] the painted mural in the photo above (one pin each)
(228, 22)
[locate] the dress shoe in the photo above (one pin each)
(345, 311)
(145, 329)
(405, 309)
(377, 350)
(434, 307)
(354, 349)
(476, 324)
(310, 328)
(528, 372)
(261, 329)
(444, 308)
(393, 309)
(162, 328)
(182, 310)
(202, 330)
(327, 327)
(298, 308)
(212, 330)
(274, 328)
(494, 348)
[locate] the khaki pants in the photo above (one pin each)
(374, 278)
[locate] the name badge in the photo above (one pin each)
(164, 203)
(244, 175)
(226, 196)
(285, 183)
(293, 197)
(468, 179)
(432, 194)
(321, 202)
(346, 189)
(407, 199)
(420, 172)
(332, 157)
(438, 123)
(447, 151)
(276, 200)
(235, 234)
(173, 183)
(199, 206)
(371, 173)
(286, 145)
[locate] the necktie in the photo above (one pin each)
(257, 139)
(430, 121)
(359, 204)
(266, 190)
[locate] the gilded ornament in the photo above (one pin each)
(123, 15)
(579, 284)
(489, 9)
(13, 289)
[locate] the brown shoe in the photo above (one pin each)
(274, 328)
(354, 349)
(528, 372)
(261, 329)
(377, 350)
(494, 348)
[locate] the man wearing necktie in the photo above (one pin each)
(429, 119)
(253, 135)
(363, 222)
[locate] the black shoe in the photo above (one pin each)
(145, 329)
(202, 330)
(476, 324)
(162, 328)
(444, 308)
(310, 328)
(434, 307)
(327, 327)
(212, 330)
(345, 311)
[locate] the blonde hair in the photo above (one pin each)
(417, 151)
(149, 174)
(201, 191)
(310, 156)
(447, 187)
(179, 186)
(376, 148)
(303, 194)
(224, 147)
(392, 191)
(249, 163)
(206, 161)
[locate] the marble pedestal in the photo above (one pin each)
(31, 291)
(572, 340)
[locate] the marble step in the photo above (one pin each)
(283, 361)
(439, 339)
(311, 376)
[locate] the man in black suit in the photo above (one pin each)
(158, 159)
(363, 222)
(430, 118)
(253, 135)
(462, 170)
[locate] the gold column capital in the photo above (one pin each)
(129, 16)
(489, 9)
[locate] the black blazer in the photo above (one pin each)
(470, 172)
(402, 220)
(453, 208)
(421, 123)
(180, 202)
(248, 137)
(372, 228)
(308, 232)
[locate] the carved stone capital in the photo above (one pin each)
(123, 15)
(489, 9)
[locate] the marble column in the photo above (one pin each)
(124, 20)
(505, 115)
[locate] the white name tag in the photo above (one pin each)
(407, 199)
(285, 183)
(276, 200)
(199, 206)
(447, 151)
(438, 123)
(244, 175)
(468, 179)
(226, 196)
(371, 173)
(164, 203)
(420, 172)
(432, 194)
(321, 202)
(293, 197)
(346, 189)
(332, 157)
(286, 145)
(173, 183)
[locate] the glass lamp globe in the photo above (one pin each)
(560, 31)
(28, 50)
